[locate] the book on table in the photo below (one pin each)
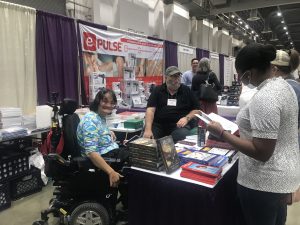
(169, 155)
(143, 153)
(199, 157)
(199, 172)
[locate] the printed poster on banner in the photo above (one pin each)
(109, 54)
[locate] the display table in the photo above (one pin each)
(163, 200)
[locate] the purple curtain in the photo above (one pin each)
(56, 57)
(221, 65)
(200, 53)
(170, 54)
(84, 99)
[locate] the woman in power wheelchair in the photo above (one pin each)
(87, 185)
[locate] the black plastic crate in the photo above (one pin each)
(13, 163)
(26, 185)
(5, 200)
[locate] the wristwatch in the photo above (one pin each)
(188, 118)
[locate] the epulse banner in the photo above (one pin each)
(111, 54)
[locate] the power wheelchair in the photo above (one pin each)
(82, 194)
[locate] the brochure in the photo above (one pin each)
(226, 124)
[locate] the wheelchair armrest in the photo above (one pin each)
(83, 163)
(86, 163)
(57, 158)
(111, 160)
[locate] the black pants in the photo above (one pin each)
(123, 155)
(160, 130)
(262, 208)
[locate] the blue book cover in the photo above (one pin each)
(200, 157)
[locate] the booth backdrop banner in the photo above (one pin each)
(113, 54)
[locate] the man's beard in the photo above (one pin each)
(173, 87)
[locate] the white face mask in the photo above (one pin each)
(251, 86)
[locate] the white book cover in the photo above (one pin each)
(226, 124)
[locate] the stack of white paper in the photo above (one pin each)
(12, 132)
(10, 116)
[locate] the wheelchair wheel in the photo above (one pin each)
(89, 213)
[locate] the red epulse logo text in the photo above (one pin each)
(91, 43)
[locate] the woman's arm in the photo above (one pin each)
(258, 148)
(100, 163)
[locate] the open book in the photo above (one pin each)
(226, 124)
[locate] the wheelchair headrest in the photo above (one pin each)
(68, 106)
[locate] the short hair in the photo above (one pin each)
(255, 56)
(204, 65)
(193, 60)
(100, 95)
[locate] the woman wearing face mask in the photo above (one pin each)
(204, 74)
(269, 156)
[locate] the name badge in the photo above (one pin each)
(172, 102)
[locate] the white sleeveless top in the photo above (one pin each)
(271, 114)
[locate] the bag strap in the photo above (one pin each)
(206, 81)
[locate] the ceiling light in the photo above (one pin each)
(282, 21)
(232, 16)
(291, 43)
(241, 22)
(284, 28)
(239, 19)
(252, 32)
(247, 26)
(279, 14)
(253, 15)
(257, 35)
(286, 32)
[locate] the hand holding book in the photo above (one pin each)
(216, 129)
(221, 125)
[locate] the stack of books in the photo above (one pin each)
(202, 173)
(143, 153)
(198, 157)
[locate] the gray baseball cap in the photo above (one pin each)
(172, 70)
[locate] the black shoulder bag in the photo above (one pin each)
(207, 92)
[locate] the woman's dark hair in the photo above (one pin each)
(100, 95)
(293, 64)
(255, 56)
